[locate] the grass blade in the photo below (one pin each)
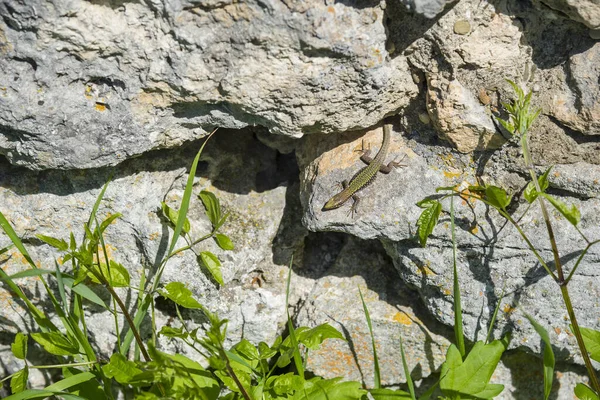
(187, 194)
(548, 355)
(297, 357)
(376, 371)
(494, 316)
(97, 203)
(458, 327)
(409, 381)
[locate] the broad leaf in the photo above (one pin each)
(312, 338)
(19, 346)
(584, 392)
(497, 197)
(84, 291)
(591, 338)
(471, 377)
(18, 382)
(120, 368)
(285, 384)
(427, 220)
(59, 244)
(570, 213)
(117, 275)
(212, 264)
(212, 206)
(223, 241)
(56, 343)
(173, 215)
(181, 295)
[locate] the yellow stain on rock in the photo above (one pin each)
(451, 175)
(508, 309)
(474, 230)
(425, 270)
(402, 318)
(100, 107)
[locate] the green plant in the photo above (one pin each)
(245, 371)
(520, 119)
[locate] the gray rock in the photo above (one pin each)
(86, 85)
(429, 8)
(253, 297)
(584, 11)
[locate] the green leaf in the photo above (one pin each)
(427, 221)
(70, 381)
(72, 243)
(120, 368)
(548, 355)
(312, 338)
(389, 394)
(285, 384)
(212, 264)
(223, 241)
(212, 206)
(321, 389)
(173, 332)
(497, 197)
(531, 193)
(584, 392)
(376, 369)
(265, 351)
(409, 381)
(56, 343)
(570, 213)
(28, 273)
(178, 293)
(173, 215)
(591, 338)
(18, 382)
(506, 124)
(89, 390)
(19, 346)
(59, 244)
(117, 277)
(84, 291)
(471, 377)
(108, 220)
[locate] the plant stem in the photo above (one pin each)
(231, 372)
(559, 270)
(123, 308)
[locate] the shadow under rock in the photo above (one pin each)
(337, 254)
(527, 375)
(234, 160)
(551, 42)
(405, 27)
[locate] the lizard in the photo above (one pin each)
(365, 176)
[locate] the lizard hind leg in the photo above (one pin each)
(386, 169)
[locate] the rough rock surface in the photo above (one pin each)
(585, 11)
(489, 257)
(86, 86)
(115, 79)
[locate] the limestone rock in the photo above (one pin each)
(89, 84)
(584, 11)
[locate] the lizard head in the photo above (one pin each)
(335, 202)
